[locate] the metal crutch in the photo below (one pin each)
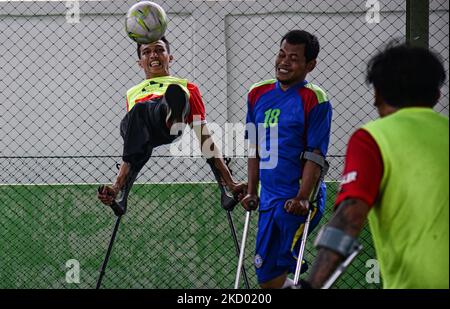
(302, 247)
(228, 202)
(108, 253)
(236, 244)
(323, 171)
(119, 208)
(242, 253)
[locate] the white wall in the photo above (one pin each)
(62, 85)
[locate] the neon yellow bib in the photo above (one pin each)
(410, 220)
(154, 87)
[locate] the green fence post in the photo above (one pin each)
(417, 14)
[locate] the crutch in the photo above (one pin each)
(242, 253)
(228, 202)
(323, 170)
(108, 252)
(119, 208)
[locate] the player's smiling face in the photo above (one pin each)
(290, 65)
(155, 59)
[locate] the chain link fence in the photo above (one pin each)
(65, 69)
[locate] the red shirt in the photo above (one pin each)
(196, 105)
(363, 169)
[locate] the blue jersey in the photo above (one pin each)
(301, 117)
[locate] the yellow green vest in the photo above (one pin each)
(410, 219)
(154, 86)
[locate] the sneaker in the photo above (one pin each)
(177, 103)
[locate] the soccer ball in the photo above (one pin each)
(146, 22)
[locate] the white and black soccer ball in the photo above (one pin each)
(146, 22)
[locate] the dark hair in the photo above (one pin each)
(405, 75)
(311, 42)
(162, 39)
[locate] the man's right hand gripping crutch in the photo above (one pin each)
(299, 206)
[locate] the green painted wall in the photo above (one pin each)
(173, 236)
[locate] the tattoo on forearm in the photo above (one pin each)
(325, 263)
(349, 217)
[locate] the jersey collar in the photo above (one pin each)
(295, 86)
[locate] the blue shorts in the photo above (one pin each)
(278, 241)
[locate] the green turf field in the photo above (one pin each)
(173, 236)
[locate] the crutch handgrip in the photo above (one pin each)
(227, 200)
(116, 208)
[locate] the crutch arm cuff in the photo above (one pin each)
(336, 240)
(314, 157)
